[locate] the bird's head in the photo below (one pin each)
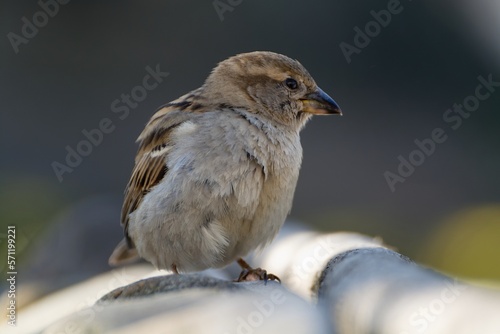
(271, 85)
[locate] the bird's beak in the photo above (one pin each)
(319, 103)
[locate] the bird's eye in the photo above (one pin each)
(291, 83)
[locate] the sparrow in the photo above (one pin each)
(216, 169)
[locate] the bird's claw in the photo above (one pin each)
(257, 274)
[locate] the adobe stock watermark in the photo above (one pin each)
(427, 314)
(363, 37)
(319, 256)
(30, 28)
(11, 276)
(223, 6)
(120, 107)
(453, 117)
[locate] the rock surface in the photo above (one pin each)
(196, 304)
(341, 283)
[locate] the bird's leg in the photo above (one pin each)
(254, 274)
(174, 269)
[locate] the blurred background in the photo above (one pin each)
(393, 90)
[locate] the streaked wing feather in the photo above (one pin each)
(150, 163)
(148, 171)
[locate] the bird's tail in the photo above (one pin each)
(123, 254)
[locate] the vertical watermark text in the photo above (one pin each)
(11, 276)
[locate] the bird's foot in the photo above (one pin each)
(250, 274)
(256, 274)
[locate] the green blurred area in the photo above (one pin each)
(29, 204)
(466, 244)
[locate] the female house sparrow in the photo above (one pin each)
(216, 169)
